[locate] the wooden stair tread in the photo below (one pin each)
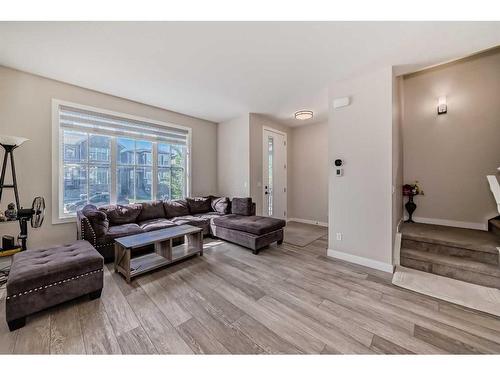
(452, 261)
(494, 225)
(470, 239)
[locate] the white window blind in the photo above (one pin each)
(84, 120)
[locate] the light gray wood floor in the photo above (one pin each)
(285, 300)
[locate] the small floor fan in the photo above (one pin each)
(35, 214)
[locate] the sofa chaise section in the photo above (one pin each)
(254, 232)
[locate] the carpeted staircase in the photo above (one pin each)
(462, 254)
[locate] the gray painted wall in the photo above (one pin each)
(309, 172)
(451, 154)
(233, 157)
(26, 110)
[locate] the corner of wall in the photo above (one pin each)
(360, 202)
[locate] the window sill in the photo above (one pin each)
(63, 220)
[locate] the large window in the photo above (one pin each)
(106, 158)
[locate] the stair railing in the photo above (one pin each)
(495, 189)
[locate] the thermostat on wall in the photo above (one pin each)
(338, 170)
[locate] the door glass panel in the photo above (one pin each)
(270, 161)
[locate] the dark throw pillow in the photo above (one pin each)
(241, 206)
(221, 205)
(199, 205)
(97, 219)
(122, 214)
(177, 207)
(151, 210)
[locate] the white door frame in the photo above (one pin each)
(264, 157)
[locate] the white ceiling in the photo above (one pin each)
(221, 70)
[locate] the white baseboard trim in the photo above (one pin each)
(381, 266)
(450, 223)
(398, 226)
(397, 249)
(305, 221)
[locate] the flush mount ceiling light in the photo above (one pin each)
(303, 115)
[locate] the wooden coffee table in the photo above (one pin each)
(165, 253)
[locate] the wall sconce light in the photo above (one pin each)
(442, 107)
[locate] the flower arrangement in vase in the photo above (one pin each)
(410, 190)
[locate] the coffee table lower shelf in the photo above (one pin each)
(165, 253)
(152, 261)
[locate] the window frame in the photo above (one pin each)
(58, 216)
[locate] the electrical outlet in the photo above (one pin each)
(339, 236)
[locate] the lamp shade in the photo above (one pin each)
(12, 140)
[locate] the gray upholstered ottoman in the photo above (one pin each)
(254, 232)
(43, 278)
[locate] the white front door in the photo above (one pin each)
(274, 174)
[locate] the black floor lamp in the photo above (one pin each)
(10, 143)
